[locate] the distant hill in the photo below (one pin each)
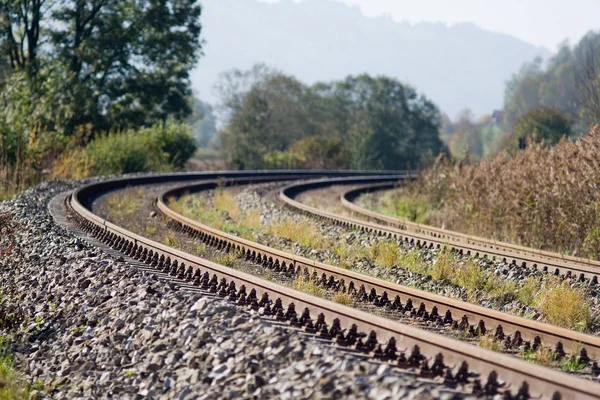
(458, 66)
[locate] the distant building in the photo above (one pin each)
(497, 117)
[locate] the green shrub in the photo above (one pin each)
(413, 210)
(121, 153)
(176, 141)
(155, 148)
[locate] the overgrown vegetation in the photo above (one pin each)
(343, 298)
(307, 285)
(542, 124)
(225, 258)
(8, 241)
(302, 231)
(488, 341)
(124, 203)
(156, 148)
(170, 239)
(224, 201)
(564, 306)
(385, 253)
(543, 197)
(542, 356)
(469, 138)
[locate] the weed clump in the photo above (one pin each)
(414, 263)
(470, 276)
(571, 363)
(307, 285)
(223, 200)
(385, 253)
(444, 267)
(302, 231)
(124, 203)
(343, 298)
(226, 259)
(541, 356)
(12, 386)
(564, 306)
(488, 341)
(527, 293)
(171, 240)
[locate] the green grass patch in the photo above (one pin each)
(309, 286)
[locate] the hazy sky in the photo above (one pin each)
(540, 22)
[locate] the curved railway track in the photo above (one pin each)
(423, 235)
(384, 339)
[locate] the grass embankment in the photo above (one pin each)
(560, 304)
(543, 197)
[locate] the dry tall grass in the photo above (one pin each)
(385, 252)
(543, 197)
(303, 231)
(564, 306)
(223, 200)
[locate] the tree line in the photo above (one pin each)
(73, 69)
(362, 122)
(561, 99)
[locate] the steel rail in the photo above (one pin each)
(540, 259)
(385, 337)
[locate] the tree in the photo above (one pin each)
(526, 97)
(541, 124)
(203, 122)
(266, 115)
(570, 84)
(587, 76)
(389, 122)
(20, 23)
(378, 122)
(466, 137)
(528, 69)
(125, 63)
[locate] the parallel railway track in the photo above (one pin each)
(427, 236)
(383, 338)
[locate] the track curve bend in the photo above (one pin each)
(382, 338)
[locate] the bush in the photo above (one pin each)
(148, 149)
(541, 124)
(176, 141)
(565, 306)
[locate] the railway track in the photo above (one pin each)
(434, 356)
(427, 236)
